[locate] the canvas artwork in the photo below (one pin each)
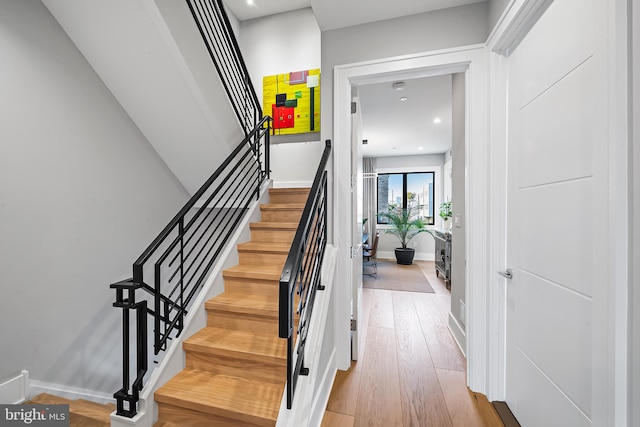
(293, 101)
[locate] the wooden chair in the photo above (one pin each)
(369, 255)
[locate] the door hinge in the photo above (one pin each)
(354, 325)
(354, 252)
(354, 108)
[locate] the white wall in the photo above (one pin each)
(82, 193)
(279, 44)
(635, 261)
(172, 96)
(442, 29)
(423, 243)
(458, 238)
(295, 165)
(496, 7)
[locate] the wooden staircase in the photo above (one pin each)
(82, 413)
(236, 366)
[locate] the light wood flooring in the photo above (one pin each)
(410, 371)
(82, 413)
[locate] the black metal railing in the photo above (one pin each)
(218, 36)
(171, 271)
(300, 277)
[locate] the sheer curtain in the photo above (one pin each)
(369, 208)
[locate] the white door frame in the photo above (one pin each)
(473, 61)
(518, 18)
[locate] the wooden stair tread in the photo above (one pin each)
(250, 304)
(239, 398)
(282, 206)
(247, 345)
(49, 399)
(264, 247)
(260, 272)
(80, 407)
(97, 406)
(270, 225)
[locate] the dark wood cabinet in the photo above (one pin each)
(443, 255)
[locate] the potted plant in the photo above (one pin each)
(445, 214)
(405, 226)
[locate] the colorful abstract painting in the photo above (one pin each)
(293, 101)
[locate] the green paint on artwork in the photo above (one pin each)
(298, 94)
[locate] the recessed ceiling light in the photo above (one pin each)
(250, 2)
(437, 120)
(398, 85)
(404, 98)
(420, 148)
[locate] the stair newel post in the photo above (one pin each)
(267, 150)
(259, 177)
(157, 307)
(141, 347)
(289, 372)
(125, 354)
(181, 311)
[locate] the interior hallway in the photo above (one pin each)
(410, 371)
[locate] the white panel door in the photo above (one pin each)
(556, 216)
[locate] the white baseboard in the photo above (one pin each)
(458, 334)
(73, 393)
(419, 256)
(319, 405)
(15, 390)
(292, 184)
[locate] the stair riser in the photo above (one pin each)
(236, 322)
(262, 258)
(239, 367)
(281, 215)
(289, 198)
(272, 236)
(252, 286)
(189, 417)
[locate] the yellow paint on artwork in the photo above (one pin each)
(287, 98)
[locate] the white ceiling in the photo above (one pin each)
(245, 11)
(332, 14)
(406, 128)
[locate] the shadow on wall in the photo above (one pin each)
(93, 360)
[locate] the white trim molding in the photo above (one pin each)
(15, 390)
(471, 60)
(458, 333)
(71, 393)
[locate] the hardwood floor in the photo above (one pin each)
(409, 372)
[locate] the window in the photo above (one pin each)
(407, 190)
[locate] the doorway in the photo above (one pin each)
(472, 62)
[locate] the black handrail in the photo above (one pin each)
(182, 255)
(300, 277)
(217, 34)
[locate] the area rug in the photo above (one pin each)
(396, 277)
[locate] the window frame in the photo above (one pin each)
(405, 174)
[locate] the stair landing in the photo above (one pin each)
(82, 413)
